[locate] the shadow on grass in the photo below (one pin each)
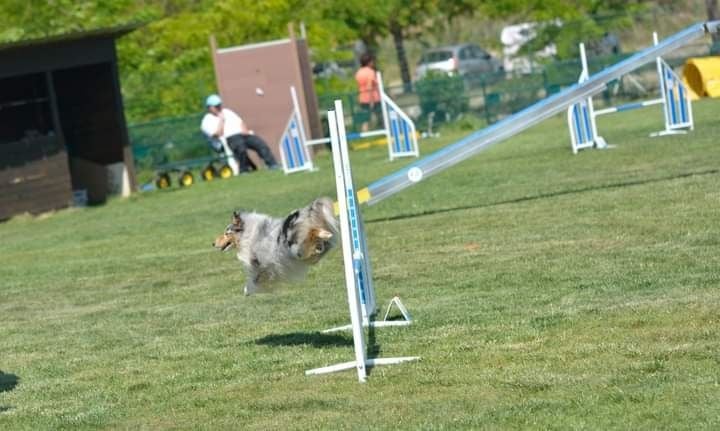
(546, 195)
(372, 348)
(314, 339)
(318, 339)
(8, 382)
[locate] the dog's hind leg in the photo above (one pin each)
(251, 283)
(250, 288)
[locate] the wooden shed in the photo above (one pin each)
(62, 127)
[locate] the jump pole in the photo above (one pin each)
(359, 248)
(352, 260)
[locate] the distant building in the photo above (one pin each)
(62, 127)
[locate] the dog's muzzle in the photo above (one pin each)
(223, 243)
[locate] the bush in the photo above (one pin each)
(332, 86)
(442, 94)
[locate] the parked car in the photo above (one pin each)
(464, 59)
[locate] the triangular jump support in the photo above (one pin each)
(371, 322)
(401, 307)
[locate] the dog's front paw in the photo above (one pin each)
(248, 290)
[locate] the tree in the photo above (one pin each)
(166, 67)
(371, 20)
(712, 13)
(22, 19)
(405, 15)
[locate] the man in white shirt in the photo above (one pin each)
(221, 122)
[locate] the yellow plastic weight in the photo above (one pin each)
(208, 174)
(186, 179)
(163, 181)
(226, 172)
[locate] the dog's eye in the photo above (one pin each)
(319, 247)
(233, 228)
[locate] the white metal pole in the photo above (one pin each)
(301, 127)
(231, 161)
(334, 121)
(583, 59)
(298, 114)
(386, 119)
(590, 105)
(367, 305)
(663, 87)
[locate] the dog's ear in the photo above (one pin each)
(289, 222)
(237, 221)
(327, 210)
(321, 204)
(324, 234)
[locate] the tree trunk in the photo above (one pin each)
(712, 13)
(397, 34)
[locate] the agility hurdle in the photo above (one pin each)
(293, 152)
(398, 129)
(360, 254)
(510, 126)
(677, 107)
(358, 277)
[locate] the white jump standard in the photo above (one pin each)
(398, 128)
(293, 152)
(358, 279)
(677, 107)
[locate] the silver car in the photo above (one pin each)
(465, 59)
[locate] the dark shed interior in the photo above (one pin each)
(62, 127)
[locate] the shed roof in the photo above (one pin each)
(99, 33)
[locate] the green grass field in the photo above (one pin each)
(550, 291)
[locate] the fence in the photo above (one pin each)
(167, 140)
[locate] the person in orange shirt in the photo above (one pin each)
(368, 90)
